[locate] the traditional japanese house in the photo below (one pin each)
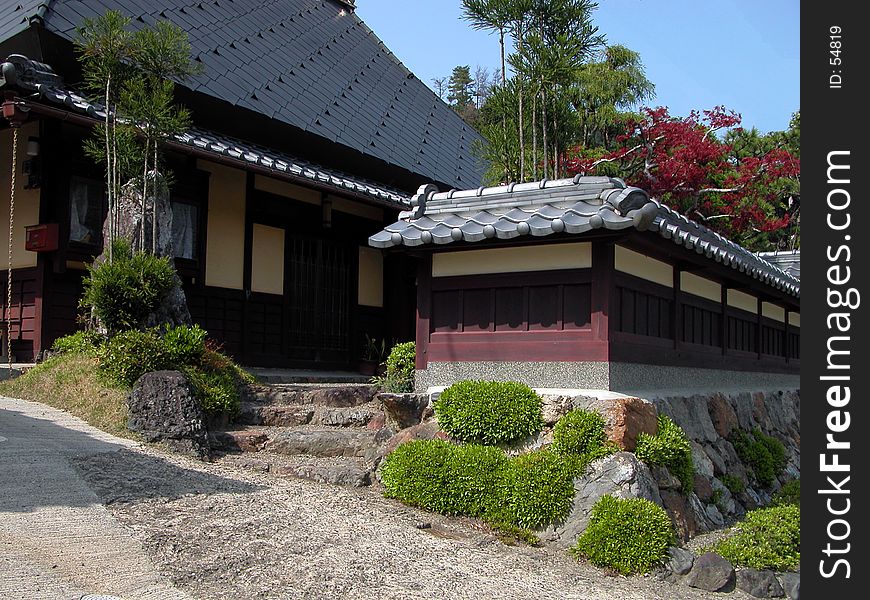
(309, 135)
(587, 283)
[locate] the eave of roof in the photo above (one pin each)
(217, 147)
(313, 65)
(565, 206)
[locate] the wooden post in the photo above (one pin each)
(677, 314)
(603, 289)
(424, 310)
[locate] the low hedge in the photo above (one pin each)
(629, 536)
(537, 489)
(489, 412)
(443, 477)
(767, 538)
(669, 448)
(520, 493)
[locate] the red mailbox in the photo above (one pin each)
(41, 238)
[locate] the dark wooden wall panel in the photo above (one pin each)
(21, 317)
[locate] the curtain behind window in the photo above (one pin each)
(184, 230)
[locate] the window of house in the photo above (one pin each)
(184, 230)
(85, 211)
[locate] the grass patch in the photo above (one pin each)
(67, 382)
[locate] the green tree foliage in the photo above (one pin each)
(604, 90)
(134, 75)
(459, 88)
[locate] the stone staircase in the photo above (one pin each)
(326, 432)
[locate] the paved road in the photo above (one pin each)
(57, 540)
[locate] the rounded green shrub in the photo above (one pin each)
(87, 342)
(763, 454)
(629, 536)
(537, 489)
(130, 354)
(578, 432)
(790, 493)
(401, 361)
(767, 538)
(734, 484)
(443, 477)
(668, 448)
(185, 344)
(122, 293)
(401, 364)
(489, 412)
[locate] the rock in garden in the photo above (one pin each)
(791, 583)
(404, 410)
(555, 406)
(621, 475)
(710, 572)
(690, 413)
(680, 560)
(700, 461)
(163, 408)
(722, 415)
(239, 441)
(761, 584)
(703, 488)
(424, 431)
(680, 511)
(349, 395)
(324, 443)
(335, 472)
(625, 418)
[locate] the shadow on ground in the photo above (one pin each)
(48, 464)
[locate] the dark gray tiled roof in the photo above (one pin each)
(571, 206)
(787, 260)
(43, 85)
(15, 15)
(312, 64)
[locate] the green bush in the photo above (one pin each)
(629, 536)
(537, 489)
(443, 477)
(734, 484)
(578, 432)
(764, 454)
(489, 412)
(790, 493)
(184, 344)
(767, 538)
(401, 363)
(217, 391)
(87, 342)
(130, 354)
(122, 293)
(669, 448)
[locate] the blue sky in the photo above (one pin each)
(744, 54)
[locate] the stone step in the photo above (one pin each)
(279, 376)
(347, 471)
(335, 396)
(278, 415)
(328, 442)
(239, 440)
(292, 415)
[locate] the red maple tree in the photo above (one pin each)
(682, 162)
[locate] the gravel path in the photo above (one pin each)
(215, 531)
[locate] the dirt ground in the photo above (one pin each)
(219, 532)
